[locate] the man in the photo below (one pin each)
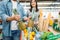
(7, 18)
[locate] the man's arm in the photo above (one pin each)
(3, 15)
(22, 12)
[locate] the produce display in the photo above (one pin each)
(40, 31)
(50, 36)
(53, 37)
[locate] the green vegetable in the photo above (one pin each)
(50, 36)
(53, 37)
(55, 27)
(45, 35)
(15, 12)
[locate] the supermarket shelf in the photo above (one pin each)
(42, 4)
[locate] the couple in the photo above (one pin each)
(9, 20)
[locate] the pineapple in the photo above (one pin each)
(30, 23)
(21, 25)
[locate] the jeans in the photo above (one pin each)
(15, 34)
(7, 37)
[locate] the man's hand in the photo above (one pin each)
(17, 17)
(29, 17)
(25, 18)
(10, 18)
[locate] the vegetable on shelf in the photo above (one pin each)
(55, 25)
(45, 35)
(53, 37)
(49, 36)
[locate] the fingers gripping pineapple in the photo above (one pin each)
(21, 25)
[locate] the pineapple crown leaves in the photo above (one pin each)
(15, 11)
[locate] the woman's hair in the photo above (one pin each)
(32, 7)
(59, 13)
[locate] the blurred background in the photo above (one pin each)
(47, 6)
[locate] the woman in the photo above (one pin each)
(33, 13)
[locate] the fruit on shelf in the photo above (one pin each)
(25, 33)
(51, 22)
(32, 35)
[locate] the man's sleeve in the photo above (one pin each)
(3, 13)
(22, 12)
